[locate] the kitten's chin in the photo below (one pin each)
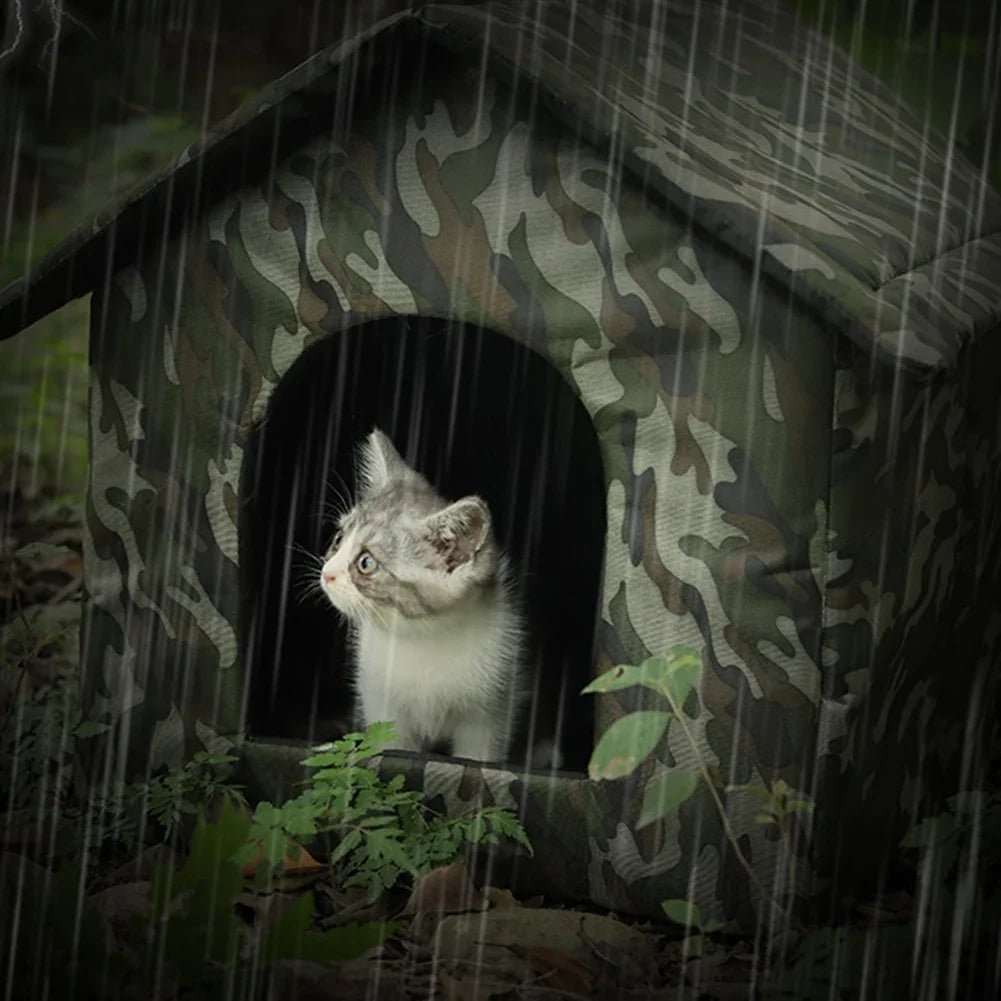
(349, 612)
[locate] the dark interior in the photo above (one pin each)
(475, 412)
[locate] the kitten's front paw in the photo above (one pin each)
(477, 740)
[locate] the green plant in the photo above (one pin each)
(957, 859)
(172, 800)
(687, 913)
(380, 831)
(198, 936)
(780, 806)
(40, 731)
(41, 723)
(191, 790)
(190, 935)
(631, 739)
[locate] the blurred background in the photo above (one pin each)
(97, 94)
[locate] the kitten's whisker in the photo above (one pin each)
(339, 505)
(311, 593)
(345, 496)
(332, 509)
(308, 553)
(332, 512)
(306, 582)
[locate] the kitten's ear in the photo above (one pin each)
(459, 532)
(379, 464)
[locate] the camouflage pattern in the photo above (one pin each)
(914, 568)
(772, 293)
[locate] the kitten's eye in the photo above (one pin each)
(336, 544)
(366, 563)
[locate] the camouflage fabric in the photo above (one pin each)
(773, 303)
(910, 603)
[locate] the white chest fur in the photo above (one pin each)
(451, 678)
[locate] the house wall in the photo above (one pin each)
(710, 392)
(912, 607)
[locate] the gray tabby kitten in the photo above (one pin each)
(437, 632)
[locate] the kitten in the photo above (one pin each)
(437, 632)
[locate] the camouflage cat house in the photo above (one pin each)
(762, 300)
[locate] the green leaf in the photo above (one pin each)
(345, 846)
(267, 815)
(377, 736)
(665, 792)
(246, 854)
(299, 824)
(213, 846)
(506, 824)
(379, 820)
(90, 728)
(680, 680)
(199, 896)
(683, 912)
(292, 937)
(626, 743)
(675, 672)
(648, 674)
(799, 806)
(383, 844)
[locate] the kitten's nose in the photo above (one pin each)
(328, 577)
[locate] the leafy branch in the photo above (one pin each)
(632, 738)
(380, 831)
(197, 931)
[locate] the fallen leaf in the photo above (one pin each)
(560, 971)
(491, 935)
(300, 865)
(478, 986)
(500, 899)
(445, 890)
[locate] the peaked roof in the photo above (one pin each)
(765, 133)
